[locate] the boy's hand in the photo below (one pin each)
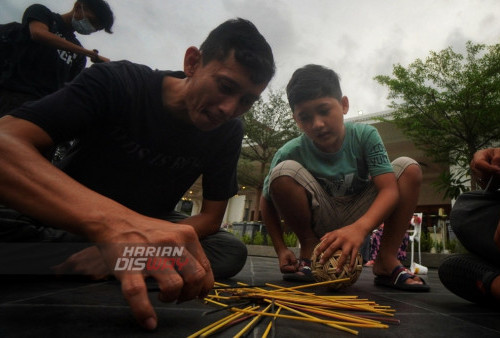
(347, 239)
(288, 261)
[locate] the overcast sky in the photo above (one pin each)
(358, 39)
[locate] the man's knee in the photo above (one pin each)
(226, 253)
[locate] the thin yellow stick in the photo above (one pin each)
(208, 300)
(281, 288)
(333, 301)
(303, 306)
(219, 297)
(270, 325)
(335, 314)
(322, 321)
(329, 323)
(317, 305)
(224, 323)
(315, 300)
(251, 324)
(360, 323)
(232, 316)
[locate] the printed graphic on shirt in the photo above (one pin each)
(336, 186)
(377, 155)
(64, 55)
(346, 184)
(153, 158)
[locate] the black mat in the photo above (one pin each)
(72, 308)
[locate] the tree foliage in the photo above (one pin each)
(268, 125)
(449, 106)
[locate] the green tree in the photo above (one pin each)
(449, 106)
(268, 125)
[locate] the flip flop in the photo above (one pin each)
(397, 280)
(304, 273)
(469, 277)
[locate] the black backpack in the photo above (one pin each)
(10, 36)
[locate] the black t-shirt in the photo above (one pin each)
(41, 69)
(130, 149)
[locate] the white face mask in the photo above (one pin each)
(83, 26)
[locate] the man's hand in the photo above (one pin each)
(347, 239)
(190, 279)
(288, 262)
(59, 200)
(88, 262)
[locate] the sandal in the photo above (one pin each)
(303, 274)
(397, 280)
(469, 277)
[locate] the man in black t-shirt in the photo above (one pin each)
(144, 138)
(46, 53)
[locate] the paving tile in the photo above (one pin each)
(62, 308)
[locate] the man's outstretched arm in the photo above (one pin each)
(30, 184)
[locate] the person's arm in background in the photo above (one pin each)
(485, 167)
(209, 219)
(40, 33)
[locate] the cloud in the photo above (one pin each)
(360, 39)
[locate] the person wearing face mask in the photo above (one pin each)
(46, 53)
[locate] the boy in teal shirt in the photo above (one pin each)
(334, 184)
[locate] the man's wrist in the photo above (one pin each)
(101, 226)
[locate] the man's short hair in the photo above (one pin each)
(312, 82)
(102, 11)
(250, 48)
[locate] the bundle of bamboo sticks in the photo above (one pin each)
(253, 303)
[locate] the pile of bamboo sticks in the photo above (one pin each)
(253, 303)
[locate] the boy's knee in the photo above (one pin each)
(284, 188)
(284, 178)
(410, 170)
(281, 183)
(414, 173)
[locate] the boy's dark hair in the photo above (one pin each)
(312, 82)
(250, 48)
(102, 11)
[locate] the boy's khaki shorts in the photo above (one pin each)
(330, 213)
